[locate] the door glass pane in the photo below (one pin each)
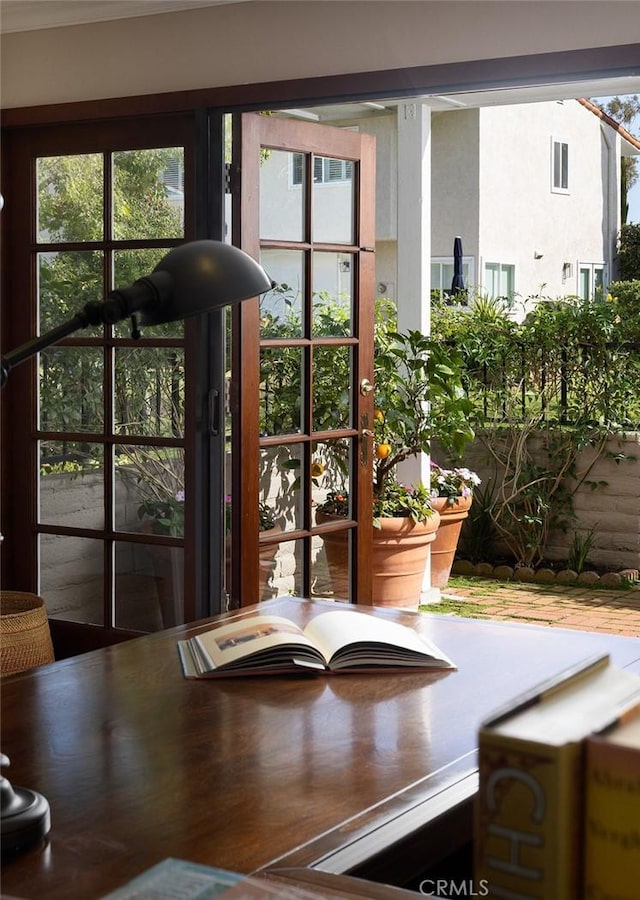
(149, 586)
(71, 484)
(129, 266)
(149, 391)
(149, 489)
(71, 578)
(67, 280)
(148, 193)
(598, 283)
(332, 294)
(333, 201)
(282, 309)
(584, 280)
(282, 195)
(282, 484)
(331, 466)
(70, 191)
(333, 504)
(331, 383)
(281, 390)
(331, 565)
(289, 577)
(71, 389)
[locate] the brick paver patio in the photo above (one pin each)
(585, 608)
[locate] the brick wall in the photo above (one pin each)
(612, 508)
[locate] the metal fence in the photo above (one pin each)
(564, 385)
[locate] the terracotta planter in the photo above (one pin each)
(400, 552)
(444, 547)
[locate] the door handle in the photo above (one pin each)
(365, 434)
(365, 387)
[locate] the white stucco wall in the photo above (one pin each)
(521, 217)
(455, 182)
(270, 41)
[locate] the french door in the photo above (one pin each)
(302, 361)
(98, 432)
(110, 496)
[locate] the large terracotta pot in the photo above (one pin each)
(400, 552)
(444, 547)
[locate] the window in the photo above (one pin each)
(591, 281)
(442, 276)
(499, 280)
(325, 169)
(559, 166)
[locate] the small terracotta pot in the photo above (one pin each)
(443, 550)
(400, 552)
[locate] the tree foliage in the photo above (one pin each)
(625, 110)
(543, 391)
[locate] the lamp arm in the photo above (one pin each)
(26, 351)
(120, 304)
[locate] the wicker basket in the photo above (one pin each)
(25, 639)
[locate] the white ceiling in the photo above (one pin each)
(32, 15)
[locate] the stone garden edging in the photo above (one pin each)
(526, 575)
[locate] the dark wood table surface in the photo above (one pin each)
(247, 774)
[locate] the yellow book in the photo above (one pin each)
(612, 811)
(528, 821)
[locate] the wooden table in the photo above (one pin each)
(340, 774)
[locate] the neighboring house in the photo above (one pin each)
(533, 190)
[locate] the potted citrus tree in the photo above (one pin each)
(418, 397)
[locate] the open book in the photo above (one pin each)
(333, 641)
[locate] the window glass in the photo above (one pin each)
(499, 280)
(148, 193)
(67, 280)
(71, 484)
(333, 207)
(72, 577)
(70, 192)
(282, 308)
(71, 389)
(282, 197)
(560, 166)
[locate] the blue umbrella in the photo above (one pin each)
(457, 282)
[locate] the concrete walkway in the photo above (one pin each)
(584, 608)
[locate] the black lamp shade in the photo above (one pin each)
(193, 278)
(204, 275)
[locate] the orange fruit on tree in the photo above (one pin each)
(383, 450)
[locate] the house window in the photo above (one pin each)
(559, 166)
(591, 281)
(442, 276)
(499, 281)
(325, 169)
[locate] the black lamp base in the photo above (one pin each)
(25, 816)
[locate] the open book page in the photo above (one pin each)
(257, 637)
(365, 639)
